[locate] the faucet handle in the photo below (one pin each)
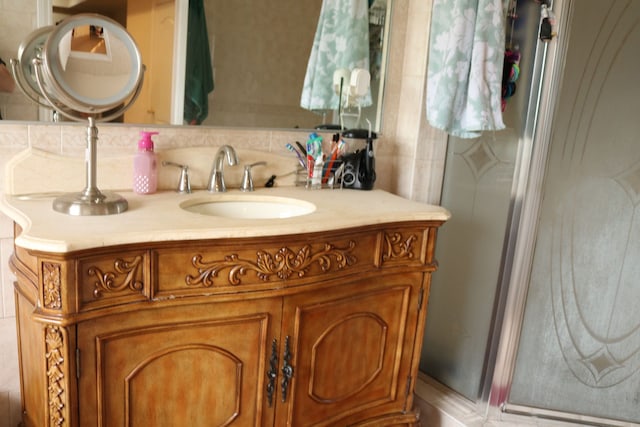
(184, 184)
(247, 180)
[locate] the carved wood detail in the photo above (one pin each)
(108, 281)
(51, 280)
(283, 264)
(398, 247)
(54, 340)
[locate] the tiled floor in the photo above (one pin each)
(442, 407)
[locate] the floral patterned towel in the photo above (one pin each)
(341, 41)
(464, 76)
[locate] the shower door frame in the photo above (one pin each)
(525, 208)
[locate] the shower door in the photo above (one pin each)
(578, 354)
(478, 189)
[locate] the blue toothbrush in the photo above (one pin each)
(301, 159)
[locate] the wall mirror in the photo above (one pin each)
(259, 52)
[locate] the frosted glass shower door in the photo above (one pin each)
(579, 349)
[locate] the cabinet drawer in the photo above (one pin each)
(112, 279)
(407, 246)
(250, 265)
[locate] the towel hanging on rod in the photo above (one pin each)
(466, 58)
(199, 71)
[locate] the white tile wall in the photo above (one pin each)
(17, 18)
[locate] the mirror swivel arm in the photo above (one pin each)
(24, 86)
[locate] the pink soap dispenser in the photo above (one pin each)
(145, 166)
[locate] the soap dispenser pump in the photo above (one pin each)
(145, 166)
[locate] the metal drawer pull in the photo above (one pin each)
(287, 369)
(272, 374)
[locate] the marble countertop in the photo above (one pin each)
(159, 217)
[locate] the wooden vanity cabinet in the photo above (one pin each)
(304, 330)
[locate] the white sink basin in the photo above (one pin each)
(248, 206)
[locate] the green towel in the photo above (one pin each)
(199, 74)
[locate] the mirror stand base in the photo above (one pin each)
(80, 204)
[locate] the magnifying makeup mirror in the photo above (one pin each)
(87, 68)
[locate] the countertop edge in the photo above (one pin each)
(159, 219)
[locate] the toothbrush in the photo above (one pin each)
(310, 151)
(298, 155)
(314, 152)
(301, 147)
(332, 159)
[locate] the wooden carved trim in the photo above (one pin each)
(56, 395)
(283, 264)
(107, 281)
(396, 246)
(52, 285)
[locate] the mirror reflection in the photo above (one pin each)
(259, 52)
(87, 63)
(87, 54)
(88, 40)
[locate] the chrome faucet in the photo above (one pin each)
(216, 178)
(247, 180)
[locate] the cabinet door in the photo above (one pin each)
(351, 348)
(200, 365)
